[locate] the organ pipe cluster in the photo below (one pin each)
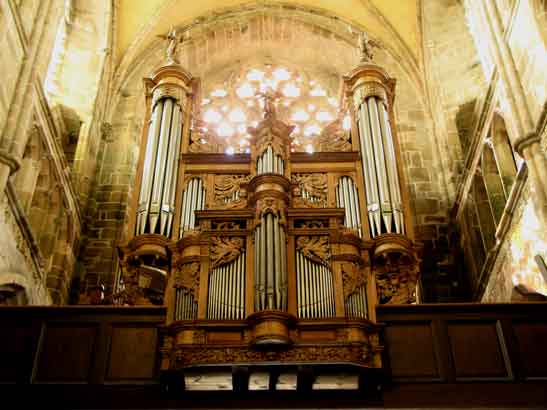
(347, 198)
(315, 289)
(227, 290)
(382, 186)
(270, 162)
(270, 264)
(193, 200)
(186, 308)
(356, 303)
(156, 206)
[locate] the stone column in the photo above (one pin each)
(530, 149)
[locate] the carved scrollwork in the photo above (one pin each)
(312, 224)
(315, 248)
(225, 249)
(353, 278)
(187, 278)
(361, 353)
(334, 138)
(228, 191)
(311, 191)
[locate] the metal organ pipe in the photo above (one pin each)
(226, 291)
(185, 305)
(382, 186)
(193, 199)
(315, 293)
(347, 198)
(270, 255)
(160, 168)
(269, 162)
(356, 303)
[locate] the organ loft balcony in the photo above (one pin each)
(270, 259)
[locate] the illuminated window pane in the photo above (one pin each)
(300, 115)
(212, 116)
(237, 115)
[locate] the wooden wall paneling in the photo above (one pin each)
(411, 352)
(132, 354)
(66, 353)
(18, 345)
(478, 350)
(531, 348)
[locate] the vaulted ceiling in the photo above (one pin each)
(394, 21)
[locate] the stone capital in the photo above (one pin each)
(9, 160)
(525, 142)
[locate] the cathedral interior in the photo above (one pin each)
(274, 203)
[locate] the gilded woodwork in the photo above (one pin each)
(334, 138)
(314, 186)
(186, 277)
(353, 278)
(225, 250)
(229, 192)
(315, 248)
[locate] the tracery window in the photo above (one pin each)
(231, 106)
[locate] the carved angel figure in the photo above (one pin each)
(365, 47)
(172, 44)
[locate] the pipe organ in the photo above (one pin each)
(382, 185)
(157, 194)
(270, 247)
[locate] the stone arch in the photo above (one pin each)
(539, 8)
(13, 289)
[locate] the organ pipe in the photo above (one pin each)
(270, 256)
(382, 186)
(315, 293)
(347, 198)
(193, 199)
(270, 162)
(156, 204)
(226, 291)
(356, 303)
(186, 308)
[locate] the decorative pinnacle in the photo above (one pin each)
(172, 45)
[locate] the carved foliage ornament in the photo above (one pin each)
(315, 248)
(311, 191)
(225, 249)
(187, 278)
(228, 192)
(361, 354)
(353, 278)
